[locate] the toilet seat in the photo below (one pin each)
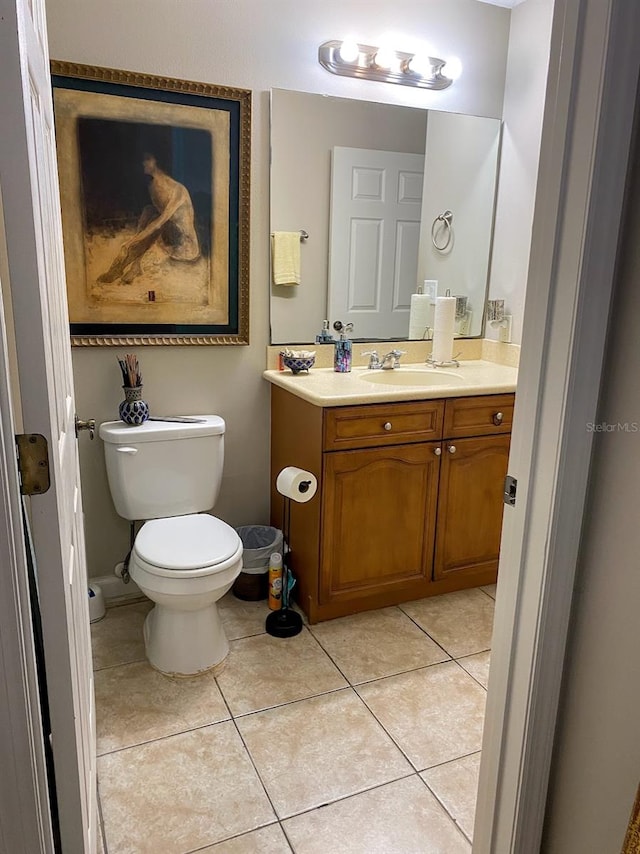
(192, 545)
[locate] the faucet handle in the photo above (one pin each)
(374, 360)
(395, 355)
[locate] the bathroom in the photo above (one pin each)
(121, 37)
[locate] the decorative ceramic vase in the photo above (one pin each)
(133, 409)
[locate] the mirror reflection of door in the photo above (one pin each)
(376, 199)
(306, 127)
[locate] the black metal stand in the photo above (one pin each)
(284, 623)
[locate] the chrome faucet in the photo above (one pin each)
(391, 360)
(387, 363)
(374, 361)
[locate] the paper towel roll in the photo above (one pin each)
(419, 316)
(443, 329)
(297, 484)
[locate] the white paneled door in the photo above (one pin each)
(376, 200)
(31, 206)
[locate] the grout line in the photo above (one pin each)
(446, 809)
(477, 681)
(352, 795)
(119, 664)
(239, 836)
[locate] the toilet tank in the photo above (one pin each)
(164, 468)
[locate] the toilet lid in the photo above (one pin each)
(186, 542)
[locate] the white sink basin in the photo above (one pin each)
(409, 377)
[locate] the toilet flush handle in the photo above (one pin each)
(125, 449)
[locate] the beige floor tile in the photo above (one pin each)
(376, 644)
(264, 671)
(455, 784)
(478, 666)
(319, 750)
(267, 840)
(490, 589)
(135, 703)
(181, 793)
(117, 638)
(399, 818)
(434, 714)
(242, 619)
(461, 622)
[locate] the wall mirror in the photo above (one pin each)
(372, 186)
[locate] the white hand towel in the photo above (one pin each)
(285, 257)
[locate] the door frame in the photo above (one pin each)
(585, 149)
(25, 816)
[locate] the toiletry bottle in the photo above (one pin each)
(275, 581)
(325, 337)
(342, 354)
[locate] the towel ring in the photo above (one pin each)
(446, 219)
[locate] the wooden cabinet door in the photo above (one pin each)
(378, 524)
(470, 505)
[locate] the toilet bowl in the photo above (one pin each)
(185, 564)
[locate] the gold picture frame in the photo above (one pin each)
(155, 195)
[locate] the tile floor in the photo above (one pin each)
(360, 735)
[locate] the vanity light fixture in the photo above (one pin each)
(367, 62)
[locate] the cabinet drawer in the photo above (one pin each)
(369, 426)
(478, 416)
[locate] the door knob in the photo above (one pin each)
(451, 449)
(437, 451)
(89, 425)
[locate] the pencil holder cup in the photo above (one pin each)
(133, 409)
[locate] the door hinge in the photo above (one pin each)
(33, 463)
(510, 489)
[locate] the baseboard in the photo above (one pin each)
(115, 590)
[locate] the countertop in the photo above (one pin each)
(325, 387)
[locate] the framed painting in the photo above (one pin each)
(154, 186)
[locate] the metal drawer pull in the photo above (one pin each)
(451, 449)
(497, 418)
(387, 426)
(437, 451)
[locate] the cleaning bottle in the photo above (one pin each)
(342, 354)
(275, 581)
(324, 336)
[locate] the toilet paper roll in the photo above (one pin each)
(419, 316)
(297, 484)
(443, 329)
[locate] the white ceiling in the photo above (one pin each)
(508, 4)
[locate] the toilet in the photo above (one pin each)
(184, 559)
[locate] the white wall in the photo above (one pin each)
(596, 766)
(527, 63)
(256, 45)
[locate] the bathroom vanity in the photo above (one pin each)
(410, 472)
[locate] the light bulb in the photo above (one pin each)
(385, 58)
(349, 51)
(421, 64)
(452, 68)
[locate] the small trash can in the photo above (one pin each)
(97, 608)
(259, 542)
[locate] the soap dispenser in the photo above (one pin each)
(342, 355)
(324, 336)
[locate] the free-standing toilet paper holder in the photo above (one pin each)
(285, 623)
